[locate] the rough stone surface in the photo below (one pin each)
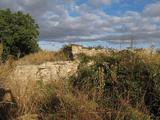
(47, 71)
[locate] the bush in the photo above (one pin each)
(19, 34)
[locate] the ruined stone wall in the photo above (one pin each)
(46, 71)
(58, 70)
(90, 52)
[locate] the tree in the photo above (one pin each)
(19, 34)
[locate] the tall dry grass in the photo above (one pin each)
(148, 56)
(6, 69)
(42, 56)
(51, 101)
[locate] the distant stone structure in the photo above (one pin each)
(78, 49)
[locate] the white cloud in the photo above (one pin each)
(92, 24)
(152, 9)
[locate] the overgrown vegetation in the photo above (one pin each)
(121, 79)
(117, 86)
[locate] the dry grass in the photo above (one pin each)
(128, 112)
(51, 101)
(148, 56)
(74, 106)
(41, 57)
(27, 95)
(6, 69)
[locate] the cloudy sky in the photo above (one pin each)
(93, 20)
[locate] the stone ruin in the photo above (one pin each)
(78, 49)
(58, 70)
(48, 71)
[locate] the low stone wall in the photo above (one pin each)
(90, 52)
(46, 71)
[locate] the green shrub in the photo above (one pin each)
(19, 34)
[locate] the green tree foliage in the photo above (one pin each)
(19, 34)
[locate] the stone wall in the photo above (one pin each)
(77, 49)
(46, 71)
